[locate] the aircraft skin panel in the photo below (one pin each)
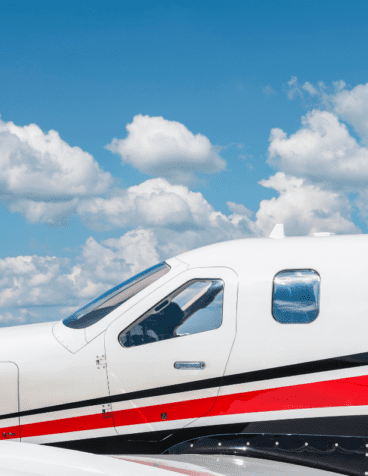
(295, 399)
(292, 400)
(9, 401)
(339, 397)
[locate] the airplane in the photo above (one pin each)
(254, 345)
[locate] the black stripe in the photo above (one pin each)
(336, 363)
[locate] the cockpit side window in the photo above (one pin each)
(295, 297)
(107, 302)
(195, 307)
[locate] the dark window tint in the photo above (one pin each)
(296, 296)
(103, 305)
(195, 307)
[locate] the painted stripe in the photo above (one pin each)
(336, 363)
(346, 392)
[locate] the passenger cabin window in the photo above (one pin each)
(295, 297)
(195, 307)
(107, 302)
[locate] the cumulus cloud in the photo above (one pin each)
(239, 209)
(304, 208)
(322, 151)
(325, 151)
(32, 281)
(52, 213)
(39, 172)
(158, 204)
(319, 95)
(352, 107)
(17, 317)
(179, 219)
(35, 288)
(163, 148)
(154, 202)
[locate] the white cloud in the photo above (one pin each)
(138, 249)
(36, 165)
(239, 209)
(307, 86)
(16, 317)
(154, 202)
(32, 281)
(321, 95)
(322, 151)
(52, 213)
(40, 173)
(294, 88)
(159, 147)
(303, 208)
(352, 107)
(158, 204)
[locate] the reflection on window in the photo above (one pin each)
(196, 307)
(296, 296)
(103, 305)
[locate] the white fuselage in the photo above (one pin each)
(67, 385)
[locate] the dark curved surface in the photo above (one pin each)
(339, 454)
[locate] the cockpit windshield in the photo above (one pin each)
(110, 300)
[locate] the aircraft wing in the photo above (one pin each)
(25, 459)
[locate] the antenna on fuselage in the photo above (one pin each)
(278, 232)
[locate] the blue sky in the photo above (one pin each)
(133, 131)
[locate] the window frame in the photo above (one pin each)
(273, 293)
(172, 295)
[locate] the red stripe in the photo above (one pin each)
(334, 393)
